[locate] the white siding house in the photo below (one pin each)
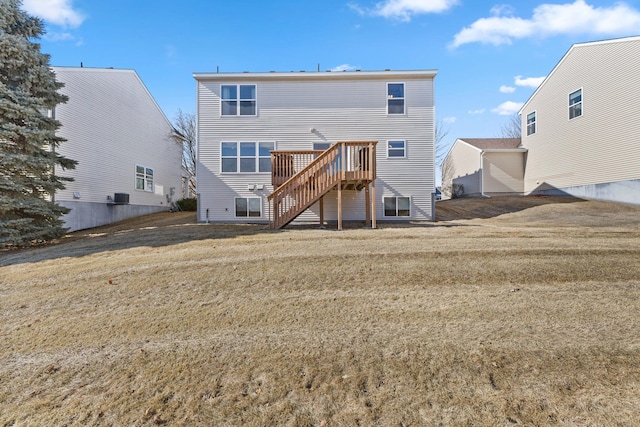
(121, 140)
(580, 127)
(484, 167)
(242, 117)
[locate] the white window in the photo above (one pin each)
(238, 100)
(396, 149)
(531, 123)
(248, 207)
(575, 104)
(144, 178)
(246, 157)
(395, 98)
(397, 206)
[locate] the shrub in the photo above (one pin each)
(190, 204)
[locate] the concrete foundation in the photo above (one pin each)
(88, 215)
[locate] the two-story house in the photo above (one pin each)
(315, 146)
(128, 165)
(580, 127)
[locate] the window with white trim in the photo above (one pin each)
(246, 157)
(396, 149)
(575, 104)
(395, 98)
(144, 178)
(238, 100)
(248, 207)
(397, 206)
(531, 123)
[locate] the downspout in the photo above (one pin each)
(482, 175)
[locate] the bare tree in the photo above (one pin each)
(441, 149)
(185, 134)
(512, 128)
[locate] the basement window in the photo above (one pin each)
(397, 206)
(248, 207)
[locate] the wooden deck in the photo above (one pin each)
(301, 178)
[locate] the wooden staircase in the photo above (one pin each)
(301, 178)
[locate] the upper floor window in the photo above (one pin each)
(575, 104)
(144, 178)
(531, 123)
(395, 98)
(246, 157)
(396, 149)
(238, 100)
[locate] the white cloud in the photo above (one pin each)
(508, 108)
(507, 89)
(58, 12)
(344, 67)
(578, 17)
(450, 120)
(478, 111)
(405, 9)
(532, 82)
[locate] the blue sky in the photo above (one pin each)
(490, 56)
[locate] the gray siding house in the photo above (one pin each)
(314, 146)
(127, 163)
(580, 127)
(484, 167)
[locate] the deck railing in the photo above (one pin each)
(300, 178)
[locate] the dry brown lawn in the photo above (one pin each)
(518, 311)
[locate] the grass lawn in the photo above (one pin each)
(511, 311)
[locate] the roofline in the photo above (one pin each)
(487, 150)
(313, 74)
(129, 70)
(575, 46)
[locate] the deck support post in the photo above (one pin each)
(321, 201)
(339, 207)
(373, 204)
(367, 207)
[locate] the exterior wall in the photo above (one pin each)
(503, 173)
(462, 166)
(601, 147)
(300, 109)
(111, 124)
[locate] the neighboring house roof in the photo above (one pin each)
(493, 143)
(571, 49)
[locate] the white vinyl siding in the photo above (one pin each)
(602, 146)
(111, 123)
(338, 107)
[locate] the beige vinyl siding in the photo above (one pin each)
(339, 109)
(462, 166)
(503, 172)
(602, 145)
(112, 123)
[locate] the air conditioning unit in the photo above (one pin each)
(121, 198)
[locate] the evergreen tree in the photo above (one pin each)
(28, 141)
